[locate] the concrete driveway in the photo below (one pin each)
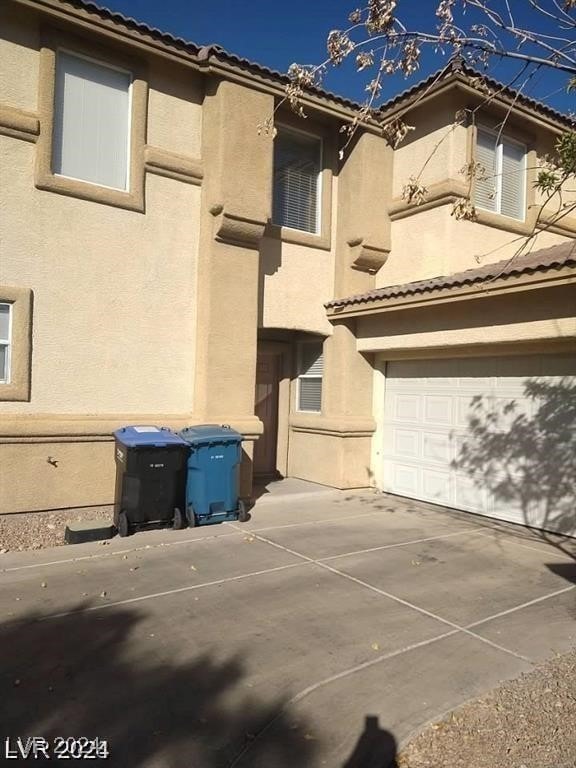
(324, 632)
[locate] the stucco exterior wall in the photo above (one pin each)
(175, 110)
(433, 243)
(296, 281)
(111, 288)
(435, 150)
(330, 460)
(547, 314)
(19, 54)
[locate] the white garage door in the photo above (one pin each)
(495, 436)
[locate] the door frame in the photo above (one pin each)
(284, 350)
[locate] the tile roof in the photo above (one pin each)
(456, 66)
(556, 257)
(203, 53)
(206, 52)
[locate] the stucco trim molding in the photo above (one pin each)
(18, 388)
(237, 230)
(332, 425)
(81, 427)
(18, 124)
(441, 193)
(365, 257)
(173, 165)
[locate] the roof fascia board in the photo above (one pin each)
(231, 72)
(213, 65)
(460, 81)
(92, 23)
(498, 287)
(502, 101)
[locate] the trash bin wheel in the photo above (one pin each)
(179, 521)
(191, 516)
(123, 525)
(243, 515)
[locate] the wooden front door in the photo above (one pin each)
(267, 380)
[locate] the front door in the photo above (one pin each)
(267, 379)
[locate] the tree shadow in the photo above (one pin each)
(99, 674)
(375, 748)
(527, 459)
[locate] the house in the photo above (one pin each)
(165, 258)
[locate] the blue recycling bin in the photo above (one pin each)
(213, 475)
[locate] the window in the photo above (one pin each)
(5, 335)
(502, 188)
(310, 368)
(296, 202)
(91, 122)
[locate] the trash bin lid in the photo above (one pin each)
(136, 436)
(210, 433)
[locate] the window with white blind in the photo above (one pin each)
(310, 369)
(297, 175)
(5, 336)
(91, 139)
(501, 185)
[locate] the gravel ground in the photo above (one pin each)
(36, 530)
(529, 722)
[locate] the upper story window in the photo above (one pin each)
(501, 188)
(297, 181)
(91, 122)
(310, 370)
(5, 336)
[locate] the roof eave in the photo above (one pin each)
(505, 284)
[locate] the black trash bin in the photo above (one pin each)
(150, 479)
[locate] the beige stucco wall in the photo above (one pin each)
(175, 110)
(296, 281)
(330, 460)
(111, 288)
(435, 150)
(429, 242)
(433, 243)
(20, 57)
(534, 315)
(51, 475)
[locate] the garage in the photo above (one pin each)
(494, 436)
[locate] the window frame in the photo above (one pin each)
(54, 41)
(16, 387)
(319, 185)
(7, 343)
(300, 376)
(499, 147)
(328, 137)
(106, 65)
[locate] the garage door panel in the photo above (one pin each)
(427, 424)
(436, 447)
(404, 477)
(438, 409)
(469, 497)
(406, 443)
(405, 407)
(436, 486)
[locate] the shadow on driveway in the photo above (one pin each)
(87, 675)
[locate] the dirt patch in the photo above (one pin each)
(36, 530)
(529, 722)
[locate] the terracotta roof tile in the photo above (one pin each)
(556, 257)
(457, 66)
(206, 52)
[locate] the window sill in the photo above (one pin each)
(287, 235)
(87, 191)
(508, 224)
